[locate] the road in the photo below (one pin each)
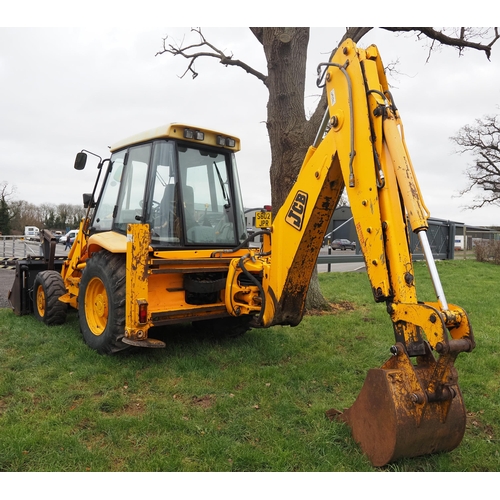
(341, 267)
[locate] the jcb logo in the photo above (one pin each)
(295, 215)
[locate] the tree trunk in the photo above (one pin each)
(286, 54)
(290, 133)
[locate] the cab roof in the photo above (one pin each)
(180, 131)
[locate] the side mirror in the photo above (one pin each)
(88, 200)
(80, 161)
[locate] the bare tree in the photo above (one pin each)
(290, 130)
(482, 140)
(46, 210)
(7, 212)
(6, 191)
(25, 214)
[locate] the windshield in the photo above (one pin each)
(187, 195)
(205, 181)
(200, 184)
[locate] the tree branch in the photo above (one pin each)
(190, 52)
(460, 42)
(355, 34)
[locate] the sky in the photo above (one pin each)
(65, 89)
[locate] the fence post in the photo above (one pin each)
(465, 242)
(451, 239)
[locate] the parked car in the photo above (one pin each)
(343, 244)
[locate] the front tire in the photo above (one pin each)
(101, 303)
(47, 289)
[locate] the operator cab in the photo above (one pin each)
(181, 181)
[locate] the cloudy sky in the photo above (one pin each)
(67, 89)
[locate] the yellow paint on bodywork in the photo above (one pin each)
(137, 245)
(245, 299)
(295, 247)
(111, 241)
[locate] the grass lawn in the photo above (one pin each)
(256, 403)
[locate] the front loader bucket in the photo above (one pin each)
(392, 419)
(19, 295)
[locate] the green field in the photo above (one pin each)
(255, 403)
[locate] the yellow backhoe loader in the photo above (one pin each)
(165, 241)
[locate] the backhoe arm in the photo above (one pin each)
(354, 152)
(405, 408)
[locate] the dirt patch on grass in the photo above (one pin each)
(474, 422)
(204, 401)
(335, 307)
(136, 407)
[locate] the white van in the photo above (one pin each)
(70, 234)
(31, 232)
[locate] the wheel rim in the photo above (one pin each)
(40, 301)
(96, 306)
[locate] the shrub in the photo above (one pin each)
(488, 251)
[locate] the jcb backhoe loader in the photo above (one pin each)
(164, 241)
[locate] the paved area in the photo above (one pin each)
(342, 268)
(6, 279)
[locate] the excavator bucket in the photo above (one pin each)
(396, 415)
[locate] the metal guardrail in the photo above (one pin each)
(339, 259)
(342, 259)
(18, 247)
(328, 260)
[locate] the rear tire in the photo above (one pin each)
(47, 289)
(101, 303)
